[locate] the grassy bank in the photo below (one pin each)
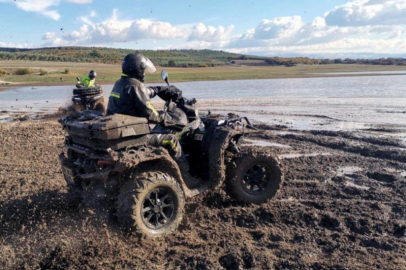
(54, 73)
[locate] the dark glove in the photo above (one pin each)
(170, 93)
(190, 102)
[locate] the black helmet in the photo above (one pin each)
(92, 74)
(135, 64)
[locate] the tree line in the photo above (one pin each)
(181, 58)
(171, 58)
(278, 61)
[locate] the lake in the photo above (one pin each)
(305, 103)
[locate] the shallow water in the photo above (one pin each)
(394, 72)
(341, 87)
(298, 155)
(320, 113)
(348, 170)
(339, 103)
(262, 143)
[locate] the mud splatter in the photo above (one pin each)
(317, 221)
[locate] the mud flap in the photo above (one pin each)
(68, 174)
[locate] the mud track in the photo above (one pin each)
(342, 206)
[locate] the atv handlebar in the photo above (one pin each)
(173, 94)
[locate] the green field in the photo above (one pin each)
(109, 73)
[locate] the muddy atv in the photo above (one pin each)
(88, 98)
(109, 157)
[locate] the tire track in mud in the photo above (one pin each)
(327, 215)
(366, 150)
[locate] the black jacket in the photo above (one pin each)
(131, 97)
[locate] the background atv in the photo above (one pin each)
(85, 98)
(108, 157)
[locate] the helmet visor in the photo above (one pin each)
(149, 66)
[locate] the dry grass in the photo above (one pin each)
(43, 72)
(3, 72)
(24, 71)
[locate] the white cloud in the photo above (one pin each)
(115, 30)
(12, 45)
(355, 27)
(80, 2)
(87, 20)
(48, 36)
(196, 45)
(44, 7)
(319, 22)
(83, 31)
(148, 29)
(368, 12)
(278, 27)
(93, 14)
(202, 32)
(60, 42)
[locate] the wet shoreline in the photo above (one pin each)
(4, 86)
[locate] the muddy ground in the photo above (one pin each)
(342, 206)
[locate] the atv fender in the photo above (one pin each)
(151, 159)
(216, 145)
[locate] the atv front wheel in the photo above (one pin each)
(254, 177)
(151, 204)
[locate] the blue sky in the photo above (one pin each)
(262, 27)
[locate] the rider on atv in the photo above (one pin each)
(131, 97)
(117, 157)
(87, 81)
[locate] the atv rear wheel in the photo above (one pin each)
(151, 204)
(254, 177)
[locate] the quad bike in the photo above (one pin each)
(88, 98)
(109, 157)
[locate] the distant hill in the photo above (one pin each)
(177, 58)
(180, 58)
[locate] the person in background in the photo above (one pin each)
(87, 81)
(88, 95)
